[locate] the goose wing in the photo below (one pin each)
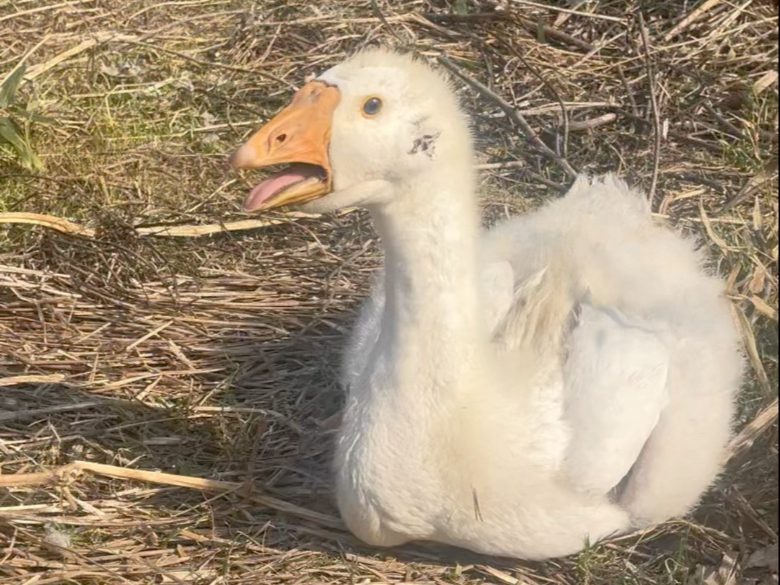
(615, 388)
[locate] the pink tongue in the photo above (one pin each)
(276, 184)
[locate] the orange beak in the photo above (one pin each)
(299, 135)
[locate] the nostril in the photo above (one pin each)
(281, 138)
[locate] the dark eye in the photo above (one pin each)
(372, 106)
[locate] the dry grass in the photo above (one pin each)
(214, 357)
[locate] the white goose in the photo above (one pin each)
(565, 376)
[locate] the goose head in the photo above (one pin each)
(359, 135)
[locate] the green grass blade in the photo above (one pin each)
(11, 136)
(10, 85)
(36, 118)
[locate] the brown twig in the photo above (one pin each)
(654, 106)
(70, 472)
(56, 223)
(536, 27)
(36, 412)
(762, 177)
(752, 431)
(564, 112)
(590, 123)
(513, 115)
(31, 379)
(689, 18)
(179, 231)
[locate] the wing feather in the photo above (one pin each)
(615, 390)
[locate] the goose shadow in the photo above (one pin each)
(278, 444)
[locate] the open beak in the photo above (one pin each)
(298, 136)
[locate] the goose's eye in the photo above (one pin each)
(372, 106)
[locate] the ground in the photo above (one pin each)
(212, 358)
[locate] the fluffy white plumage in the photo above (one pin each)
(566, 375)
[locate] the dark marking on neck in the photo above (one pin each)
(427, 144)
